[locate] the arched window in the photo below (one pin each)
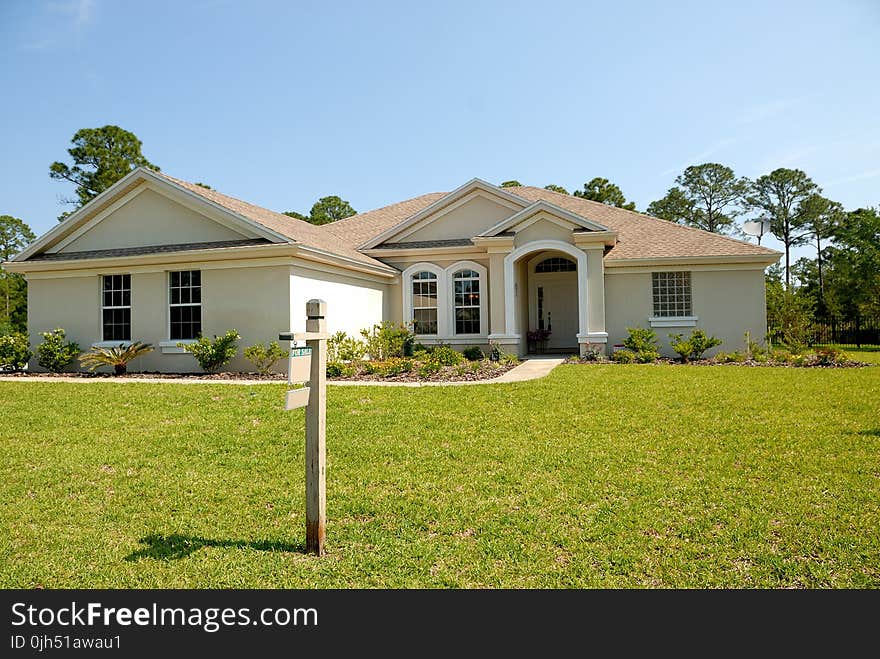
(556, 264)
(466, 294)
(424, 302)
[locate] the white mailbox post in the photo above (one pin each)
(309, 365)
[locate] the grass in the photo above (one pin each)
(596, 476)
(869, 354)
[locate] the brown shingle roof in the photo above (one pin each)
(148, 249)
(639, 236)
(296, 230)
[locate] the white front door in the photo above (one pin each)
(553, 303)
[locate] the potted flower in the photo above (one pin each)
(538, 339)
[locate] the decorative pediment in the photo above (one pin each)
(463, 213)
(542, 211)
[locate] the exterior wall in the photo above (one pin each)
(353, 303)
(727, 303)
(151, 219)
(472, 217)
(252, 300)
(542, 230)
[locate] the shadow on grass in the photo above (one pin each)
(175, 546)
(870, 432)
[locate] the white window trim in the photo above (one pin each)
(442, 298)
(481, 271)
(673, 321)
(111, 344)
(128, 306)
(170, 346)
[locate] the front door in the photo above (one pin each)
(554, 306)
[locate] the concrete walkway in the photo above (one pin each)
(531, 369)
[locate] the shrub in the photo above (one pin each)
(212, 354)
(428, 368)
(55, 354)
(344, 348)
(830, 357)
(15, 352)
(643, 344)
(117, 356)
(445, 355)
(334, 369)
(388, 340)
(694, 346)
(264, 357)
(753, 348)
(473, 354)
(625, 356)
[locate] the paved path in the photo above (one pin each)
(531, 369)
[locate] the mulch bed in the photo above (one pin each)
(748, 362)
(280, 377)
(485, 371)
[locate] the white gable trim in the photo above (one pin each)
(80, 221)
(500, 194)
(519, 221)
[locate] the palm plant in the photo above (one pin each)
(116, 356)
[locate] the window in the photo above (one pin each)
(186, 304)
(556, 264)
(116, 308)
(466, 291)
(424, 302)
(672, 294)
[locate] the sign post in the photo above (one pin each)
(311, 363)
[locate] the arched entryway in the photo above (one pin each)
(560, 290)
(553, 301)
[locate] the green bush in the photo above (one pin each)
(344, 348)
(212, 354)
(473, 354)
(56, 354)
(387, 340)
(446, 356)
(117, 357)
(428, 368)
(500, 355)
(263, 357)
(643, 344)
(340, 369)
(830, 357)
(15, 352)
(625, 356)
(694, 346)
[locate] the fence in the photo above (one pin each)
(858, 333)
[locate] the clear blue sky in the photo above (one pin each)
(280, 103)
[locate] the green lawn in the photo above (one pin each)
(870, 354)
(596, 476)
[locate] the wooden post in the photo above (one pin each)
(316, 429)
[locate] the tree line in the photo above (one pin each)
(842, 280)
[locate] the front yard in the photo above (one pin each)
(595, 476)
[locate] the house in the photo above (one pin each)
(160, 260)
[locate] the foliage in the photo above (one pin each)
(707, 196)
(511, 184)
(790, 318)
(830, 356)
(592, 354)
(694, 346)
(101, 156)
(15, 235)
(336, 369)
(781, 197)
(822, 219)
(605, 192)
(264, 357)
(625, 356)
(473, 353)
(556, 188)
(389, 367)
(116, 356)
(213, 354)
(445, 355)
(388, 339)
(497, 353)
(326, 210)
(54, 353)
(429, 368)
(344, 348)
(15, 352)
(852, 276)
(643, 344)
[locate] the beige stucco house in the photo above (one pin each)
(160, 260)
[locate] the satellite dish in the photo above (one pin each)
(756, 228)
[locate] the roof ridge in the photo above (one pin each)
(645, 216)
